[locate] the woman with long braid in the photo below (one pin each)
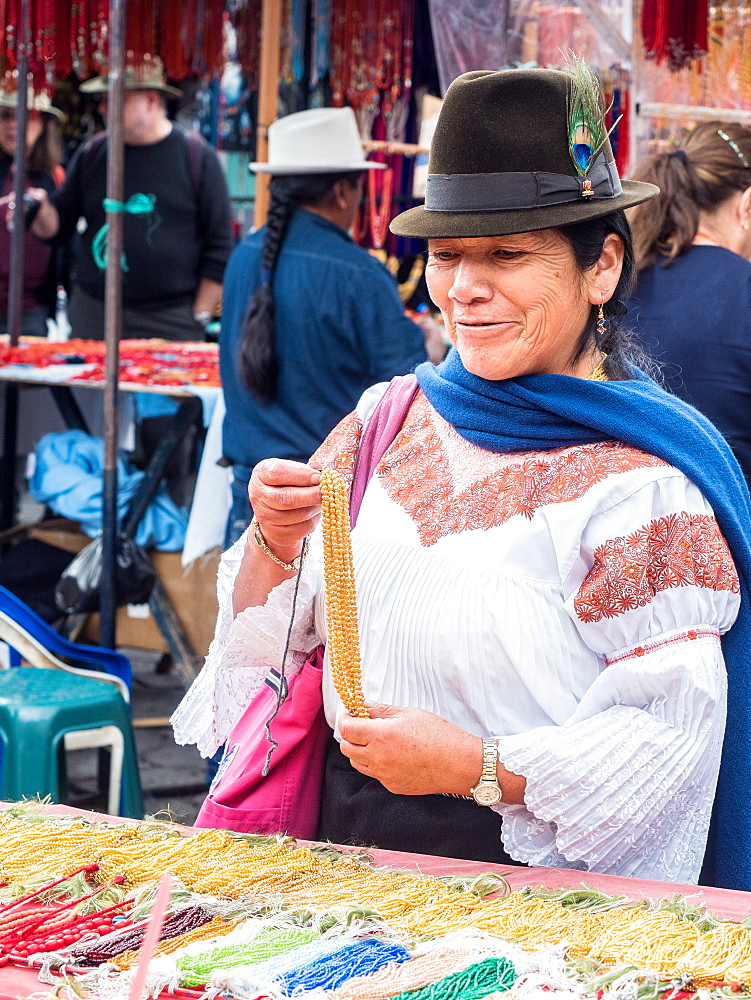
(259, 365)
(309, 320)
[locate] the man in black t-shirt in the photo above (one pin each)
(177, 220)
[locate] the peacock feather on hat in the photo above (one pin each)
(586, 117)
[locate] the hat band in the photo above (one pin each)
(519, 189)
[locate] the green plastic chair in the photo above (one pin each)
(47, 707)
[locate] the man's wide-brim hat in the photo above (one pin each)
(319, 141)
(34, 102)
(148, 76)
(517, 151)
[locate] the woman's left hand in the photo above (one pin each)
(411, 751)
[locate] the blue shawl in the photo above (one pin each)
(553, 411)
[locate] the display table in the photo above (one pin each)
(270, 883)
(79, 404)
(186, 373)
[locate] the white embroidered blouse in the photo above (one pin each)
(568, 603)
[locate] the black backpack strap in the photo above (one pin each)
(92, 144)
(195, 145)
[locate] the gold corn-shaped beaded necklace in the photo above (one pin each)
(341, 598)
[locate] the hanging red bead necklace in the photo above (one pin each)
(380, 216)
(338, 52)
(10, 33)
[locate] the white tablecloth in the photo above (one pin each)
(39, 415)
(212, 497)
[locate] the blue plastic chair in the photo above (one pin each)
(52, 705)
(104, 660)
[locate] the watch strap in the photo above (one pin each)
(487, 791)
(489, 761)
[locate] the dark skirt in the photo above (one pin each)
(357, 810)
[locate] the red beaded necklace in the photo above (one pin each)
(380, 215)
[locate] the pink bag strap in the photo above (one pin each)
(378, 436)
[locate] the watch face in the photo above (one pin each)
(486, 793)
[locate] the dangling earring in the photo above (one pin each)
(601, 329)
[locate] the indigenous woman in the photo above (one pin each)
(43, 164)
(547, 556)
(692, 305)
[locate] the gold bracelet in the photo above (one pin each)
(290, 567)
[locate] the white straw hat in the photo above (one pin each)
(319, 141)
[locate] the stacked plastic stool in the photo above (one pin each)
(51, 706)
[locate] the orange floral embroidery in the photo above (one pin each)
(679, 550)
(639, 651)
(448, 485)
(339, 450)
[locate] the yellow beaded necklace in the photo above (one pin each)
(343, 643)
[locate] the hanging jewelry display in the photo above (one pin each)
(396, 127)
(212, 47)
(198, 22)
(371, 58)
(10, 33)
(675, 31)
(296, 37)
(408, 287)
(247, 24)
(744, 69)
(285, 70)
(73, 37)
(388, 54)
(379, 214)
(715, 36)
(721, 81)
(319, 41)
(339, 55)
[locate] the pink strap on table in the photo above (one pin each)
(378, 436)
(153, 933)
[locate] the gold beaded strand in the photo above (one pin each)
(343, 641)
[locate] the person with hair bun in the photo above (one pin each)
(692, 303)
(309, 319)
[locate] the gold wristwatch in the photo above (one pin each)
(290, 567)
(487, 791)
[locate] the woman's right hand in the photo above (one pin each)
(286, 500)
(8, 203)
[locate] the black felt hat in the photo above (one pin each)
(516, 151)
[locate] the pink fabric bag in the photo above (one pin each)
(270, 778)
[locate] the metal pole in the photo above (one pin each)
(268, 98)
(15, 284)
(113, 299)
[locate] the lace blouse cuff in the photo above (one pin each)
(244, 650)
(624, 782)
